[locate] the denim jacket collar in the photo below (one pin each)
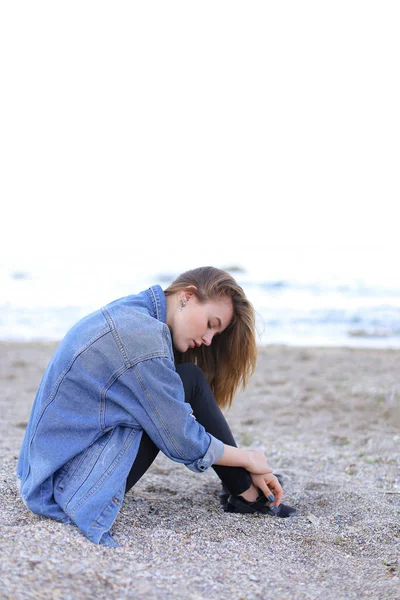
(158, 302)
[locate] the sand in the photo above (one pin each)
(329, 421)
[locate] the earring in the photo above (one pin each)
(182, 304)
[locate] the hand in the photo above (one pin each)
(269, 485)
(257, 462)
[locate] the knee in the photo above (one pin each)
(188, 367)
(190, 372)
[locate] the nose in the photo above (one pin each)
(207, 338)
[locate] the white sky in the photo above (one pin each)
(176, 125)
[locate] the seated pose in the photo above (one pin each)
(145, 373)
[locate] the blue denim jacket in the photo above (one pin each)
(111, 378)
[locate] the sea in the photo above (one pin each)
(301, 297)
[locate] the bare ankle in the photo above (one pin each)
(251, 494)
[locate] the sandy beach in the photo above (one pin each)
(329, 422)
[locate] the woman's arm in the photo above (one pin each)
(253, 461)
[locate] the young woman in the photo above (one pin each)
(145, 373)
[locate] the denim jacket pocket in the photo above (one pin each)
(66, 472)
(75, 472)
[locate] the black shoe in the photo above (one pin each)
(225, 493)
(223, 496)
(238, 504)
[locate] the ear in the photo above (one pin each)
(189, 292)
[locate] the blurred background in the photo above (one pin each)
(138, 140)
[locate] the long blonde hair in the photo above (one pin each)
(231, 358)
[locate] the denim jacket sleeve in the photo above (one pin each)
(158, 404)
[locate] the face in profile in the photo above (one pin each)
(197, 323)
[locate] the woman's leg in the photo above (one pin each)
(207, 412)
(144, 458)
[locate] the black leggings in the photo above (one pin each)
(207, 412)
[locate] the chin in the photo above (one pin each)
(181, 347)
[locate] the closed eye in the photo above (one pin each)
(218, 325)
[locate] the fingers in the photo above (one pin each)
(277, 491)
(265, 489)
(269, 486)
(262, 483)
(265, 471)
